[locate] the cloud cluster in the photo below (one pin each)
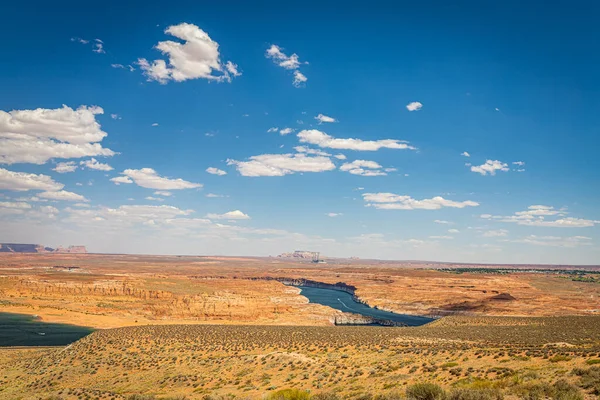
(490, 167)
(96, 165)
(22, 181)
(363, 168)
(282, 164)
(196, 58)
(148, 178)
(322, 139)
(555, 241)
(36, 136)
(391, 201)
(288, 62)
(536, 215)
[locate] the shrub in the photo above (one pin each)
(563, 390)
(141, 397)
(289, 394)
(425, 391)
(325, 396)
(475, 394)
(593, 361)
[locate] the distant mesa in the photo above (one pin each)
(39, 248)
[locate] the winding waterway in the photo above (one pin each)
(344, 301)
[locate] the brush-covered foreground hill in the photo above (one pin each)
(513, 357)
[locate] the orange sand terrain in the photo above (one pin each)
(107, 291)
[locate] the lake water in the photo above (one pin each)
(344, 301)
(27, 330)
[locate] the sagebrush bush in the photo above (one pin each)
(289, 394)
(425, 391)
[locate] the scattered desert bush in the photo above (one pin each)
(289, 394)
(593, 361)
(590, 379)
(425, 391)
(475, 394)
(325, 396)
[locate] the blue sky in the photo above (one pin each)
(112, 118)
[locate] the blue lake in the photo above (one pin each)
(344, 301)
(28, 330)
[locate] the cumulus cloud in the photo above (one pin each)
(391, 201)
(340, 156)
(440, 221)
(62, 195)
(414, 106)
(215, 171)
(154, 198)
(13, 207)
(148, 178)
(490, 167)
(273, 129)
(324, 118)
(441, 237)
(35, 136)
(236, 214)
(333, 215)
(453, 231)
(537, 215)
(196, 58)
(286, 131)
(495, 233)
(95, 164)
(64, 167)
(363, 168)
(22, 181)
(322, 139)
(288, 62)
(120, 179)
(163, 193)
(465, 154)
(281, 164)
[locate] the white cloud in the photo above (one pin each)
(299, 79)
(391, 201)
(62, 195)
(363, 168)
(215, 171)
(490, 167)
(35, 136)
(273, 129)
(196, 58)
(22, 181)
(465, 154)
(536, 216)
(519, 163)
(155, 124)
(333, 215)
(154, 198)
(120, 179)
(324, 118)
(495, 233)
(64, 167)
(215, 196)
(286, 131)
(95, 164)
(439, 221)
(288, 62)
(555, 241)
(148, 178)
(453, 231)
(115, 116)
(322, 139)
(236, 214)
(163, 193)
(282, 164)
(308, 150)
(414, 106)
(13, 207)
(340, 156)
(98, 48)
(441, 237)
